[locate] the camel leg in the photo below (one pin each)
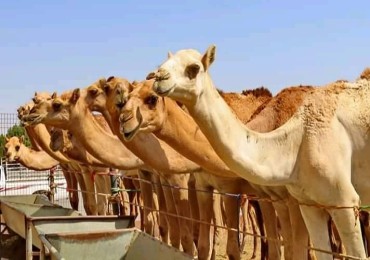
(124, 204)
(316, 220)
(349, 229)
(205, 216)
(147, 194)
(139, 202)
(131, 195)
(163, 219)
(270, 221)
(72, 188)
(194, 208)
(286, 228)
(219, 234)
(252, 217)
(90, 193)
(102, 202)
(232, 221)
(299, 231)
(182, 205)
(83, 188)
(175, 231)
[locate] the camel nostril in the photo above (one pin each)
(120, 105)
(33, 110)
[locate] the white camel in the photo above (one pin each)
(320, 154)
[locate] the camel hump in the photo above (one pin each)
(257, 92)
(365, 74)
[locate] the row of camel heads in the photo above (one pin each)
(303, 152)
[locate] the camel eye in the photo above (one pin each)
(6, 149)
(93, 92)
(17, 148)
(151, 101)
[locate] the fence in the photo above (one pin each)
(20, 180)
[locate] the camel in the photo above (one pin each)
(39, 137)
(98, 175)
(319, 155)
(163, 115)
(16, 151)
(72, 117)
(71, 170)
(103, 99)
(100, 100)
(112, 161)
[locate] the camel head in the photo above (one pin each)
(95, 97)
(60, 140)
(25, 109)
(56, 111)
(116, 91)
(183, 75)
(13, 148)
(143, 111)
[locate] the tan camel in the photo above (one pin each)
(16, 151)
(319, 154)
(100, 99)
(38, 140)
(119, 156)
(106, 90)
(98, 175)
(71, 170)
(164, 120)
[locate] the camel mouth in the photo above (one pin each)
(163, 92)
(128, 136)
(31, 119)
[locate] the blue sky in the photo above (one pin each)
(61, 45)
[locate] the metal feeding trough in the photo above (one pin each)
(31, 215)
(128, 244)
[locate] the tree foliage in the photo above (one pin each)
(15, 130)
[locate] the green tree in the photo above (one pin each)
(15, 130)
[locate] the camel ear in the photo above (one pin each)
(110, 78)
(209, 57)
(130, 87)
(102, 82)
(21, 139)
(35, 94)
(7, 139)
(54, 95)
(169, 55)
(75, 96)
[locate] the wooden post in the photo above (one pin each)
(52, 184)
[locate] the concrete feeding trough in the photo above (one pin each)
(128, 244)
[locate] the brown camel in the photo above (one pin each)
(167, 127)
(180, 196)
(39, 138)
(119, 157)
(98, 175)
(167, 118)
(16, 151)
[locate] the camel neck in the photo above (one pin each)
(254, 156)
(181, 132)
(43, 139)
(154, 152)
(36, 160)
(100, 144)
